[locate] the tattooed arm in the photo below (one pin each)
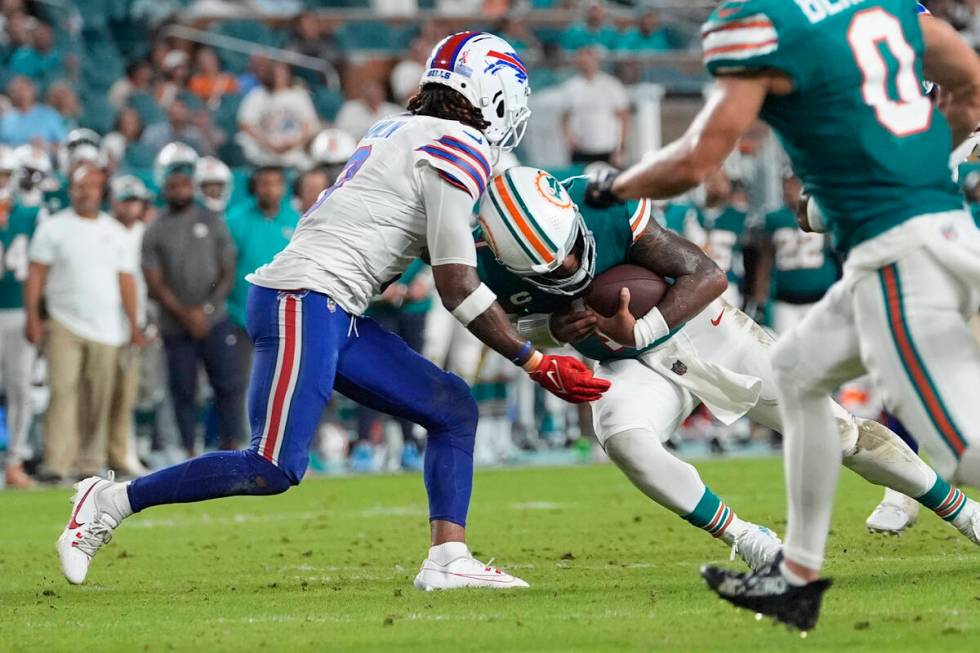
(697, 281)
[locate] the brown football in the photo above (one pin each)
(646, 290)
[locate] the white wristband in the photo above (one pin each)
(650, 328)
(474, 305)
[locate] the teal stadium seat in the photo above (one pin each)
(368, 35)
(139, 156)
(102, 64)
(327, 102)
(97, 113)
(247, 30)
(150, 112)
(226, 115)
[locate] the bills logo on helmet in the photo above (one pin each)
(499, 60)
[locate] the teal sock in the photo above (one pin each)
(711, 514)
(943, 499)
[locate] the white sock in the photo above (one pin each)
(812, 461)
(114, 501)
(445, 553)
(791, 577)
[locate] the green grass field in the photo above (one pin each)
(329, 566)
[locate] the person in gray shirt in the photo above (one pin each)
(189, 265)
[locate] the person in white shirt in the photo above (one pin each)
(276, 120)
(356, 116)
(130, 201)
(595, 119)
(78, 262)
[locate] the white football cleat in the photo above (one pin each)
(455, 567)
(756, 545)
(87, 530)
(894, 514)
(968, 521)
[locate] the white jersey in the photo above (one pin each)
(410, 185)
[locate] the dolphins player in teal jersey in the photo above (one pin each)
(873, 151)
(538, 248)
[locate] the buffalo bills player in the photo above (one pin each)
(407, 191)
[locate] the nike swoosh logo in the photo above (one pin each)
(556, 379)
(717, 320)
(72, 525)
(475, 138)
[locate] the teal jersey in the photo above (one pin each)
(677, 216)
(614, 229)
(804, 268)
(723, 239)
(56, 199)
(258, 239)
(14, 241)
(860, 132)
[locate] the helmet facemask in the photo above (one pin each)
(508, 114)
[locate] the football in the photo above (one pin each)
(646, 290)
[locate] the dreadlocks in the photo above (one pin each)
(441, 101)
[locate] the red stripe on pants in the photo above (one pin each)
(282, 379)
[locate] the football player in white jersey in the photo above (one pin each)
(407, 191)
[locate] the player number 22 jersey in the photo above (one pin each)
(363, 231)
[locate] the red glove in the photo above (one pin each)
(566, 377)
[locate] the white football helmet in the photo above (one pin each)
(210, 170)
(531, 225)
(33, 168)
(487, 71)
(332, 147)
(128, 187)
(80, 145)
(171, 157)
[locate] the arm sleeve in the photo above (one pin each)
(448, 210)
(461, 159)
(42, 248)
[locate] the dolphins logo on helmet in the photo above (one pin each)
(532, 225)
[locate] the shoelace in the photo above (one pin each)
(94, 537)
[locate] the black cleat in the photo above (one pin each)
(767, 592)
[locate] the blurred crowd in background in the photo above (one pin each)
(154, 152)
